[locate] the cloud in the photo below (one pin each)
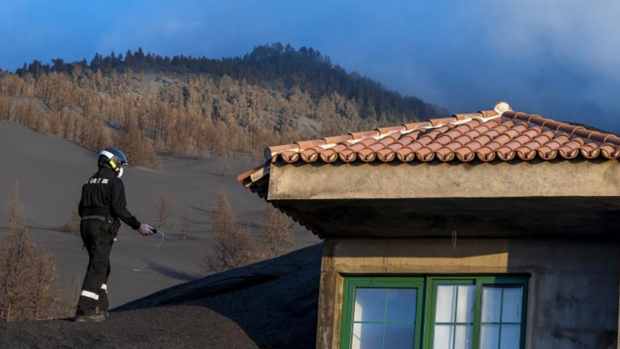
(556, 58)
(582, 32)
(569, 47)
(559, 58)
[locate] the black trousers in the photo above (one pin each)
(98, 243)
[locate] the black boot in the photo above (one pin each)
(91, 316)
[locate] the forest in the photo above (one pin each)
(149, 105)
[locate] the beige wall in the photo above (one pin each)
(536, 178)
(573, 290)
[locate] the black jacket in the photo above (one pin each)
(103, 194)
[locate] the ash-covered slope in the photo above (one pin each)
(50, 171)
(272, 304)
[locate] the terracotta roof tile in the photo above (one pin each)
(485, 135)
(442, 121)
(386, 130)
(610, 151)
(337, 139)
(307, 144)
(488, 113)
(329, 155)
(417, 125)
(362, 135)
(274, 150)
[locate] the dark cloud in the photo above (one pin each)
(558, 58)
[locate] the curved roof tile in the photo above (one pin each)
(499, 134)
(485, 135)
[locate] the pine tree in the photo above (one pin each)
(73, 224)
(185, 226)
(226, 169)
(28, 276)
(163, 210)
(138, 149)
(275, 233)
(233, 247)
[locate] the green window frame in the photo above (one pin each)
(426, 307)
(432, 322)
(480, 282)
(352, 284)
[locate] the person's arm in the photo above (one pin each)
(119, 205)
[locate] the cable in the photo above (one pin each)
(150, 253)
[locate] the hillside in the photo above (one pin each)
(50, 172)
(201, 107)
(272, 304)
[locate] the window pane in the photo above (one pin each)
(491, 303)
(369, 304)
(401, 304)
(367, 336)
(444, 335)
(513, 298)
(463, 337)
(489, 337)
(511, 337)
(465, 306)
(399, 336)
(446, 296)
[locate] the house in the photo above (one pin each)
(489, 230)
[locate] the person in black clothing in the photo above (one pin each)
(102, 207)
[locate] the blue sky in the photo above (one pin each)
(557, 58)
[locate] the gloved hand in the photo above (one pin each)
(145, 230)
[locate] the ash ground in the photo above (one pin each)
(272, 304)
(50, 172)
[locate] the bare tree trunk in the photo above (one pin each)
(163, 210)
(185, 226)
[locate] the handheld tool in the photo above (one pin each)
(163, 237)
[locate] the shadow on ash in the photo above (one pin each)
(272, 304)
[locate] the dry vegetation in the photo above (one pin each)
(275, 233)
(73, 224)
(148, 104)
(184, 231)
(29, 287)
(226, 169)
(234, 246)
(163, 211)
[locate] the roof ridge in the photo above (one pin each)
(551, 124)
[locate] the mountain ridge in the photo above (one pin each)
(264, 65)
(151, 105)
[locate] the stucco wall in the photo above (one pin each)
(376, 180)
(573, 290)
